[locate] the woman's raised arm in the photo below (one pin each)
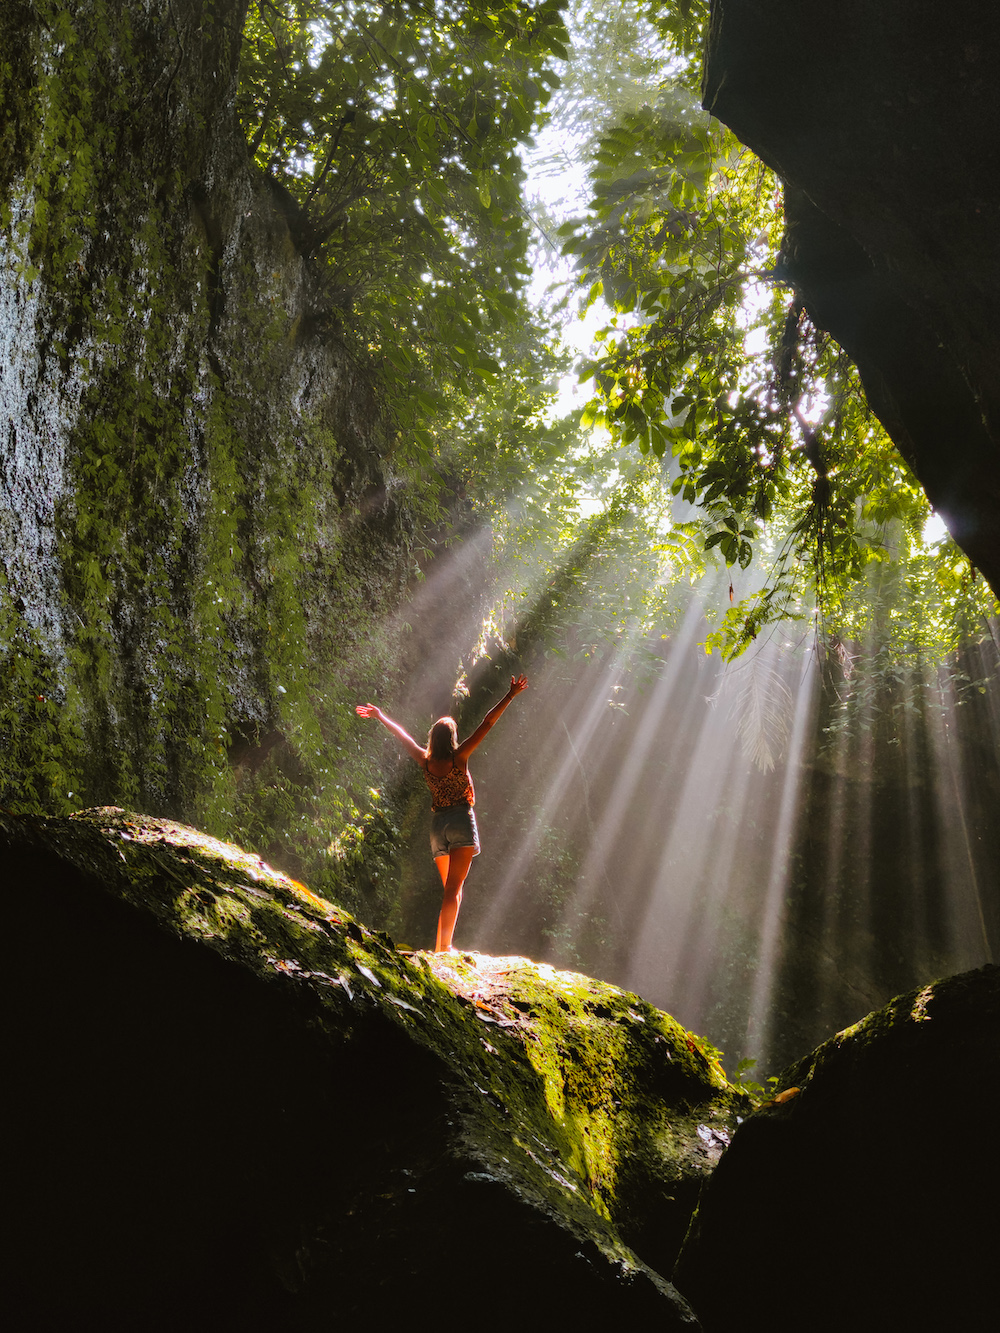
(517, 684)
(411, 747)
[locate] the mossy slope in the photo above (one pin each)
(562, 1118)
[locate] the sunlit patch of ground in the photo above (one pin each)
(481, 979)
(512, 991)
(496, 986)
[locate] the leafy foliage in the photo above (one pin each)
(394, 127)
(708, 361)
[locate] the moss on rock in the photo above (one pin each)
(201, 532)
(563, 1096)
(637, 1108)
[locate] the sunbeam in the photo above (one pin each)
(635, 832)
(441, 620)
(629, 785)
(768, 850)
(965, 914)
(771, 916)
(569, 777)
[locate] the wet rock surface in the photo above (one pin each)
(866, 1200)
(236, 1107)
(197, 501)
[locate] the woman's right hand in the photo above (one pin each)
(368, 710)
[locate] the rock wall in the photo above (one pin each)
(202, 538)
(864, 1200)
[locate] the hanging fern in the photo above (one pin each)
(761, 704)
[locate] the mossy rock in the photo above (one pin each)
(238, 1104)
(862, 1197)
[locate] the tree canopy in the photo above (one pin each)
(396, 131)
(709, 360)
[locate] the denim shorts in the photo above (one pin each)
(451, 828)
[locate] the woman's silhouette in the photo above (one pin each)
(454, 836)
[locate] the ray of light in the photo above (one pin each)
(564, 780)
(681, 895)
(442, 619)
(833, 867)
(969, 937)
(771, 914)
(629, 785)
(696, 947)
(628, 834)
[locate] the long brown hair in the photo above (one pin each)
(443, 739)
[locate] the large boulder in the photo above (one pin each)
(235, 1107)
(867, 1199)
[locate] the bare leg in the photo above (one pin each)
(453, 869)
(443, 864)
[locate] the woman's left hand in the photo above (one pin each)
(517, 684)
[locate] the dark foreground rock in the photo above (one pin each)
(868, 1201)
(236, 1108)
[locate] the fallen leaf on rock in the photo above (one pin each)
(785, 1096)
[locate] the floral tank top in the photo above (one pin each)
(455, 788)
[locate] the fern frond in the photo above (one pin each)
(761, 705)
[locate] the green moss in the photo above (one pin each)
(210, 548)
(40, 749)
(17, 55)
(626, 1089)
(894, 1028)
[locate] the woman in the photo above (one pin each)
(454, 836)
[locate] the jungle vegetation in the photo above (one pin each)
(726, 442)
(400, 131)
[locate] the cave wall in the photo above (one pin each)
(202, 536)
(883, 119)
